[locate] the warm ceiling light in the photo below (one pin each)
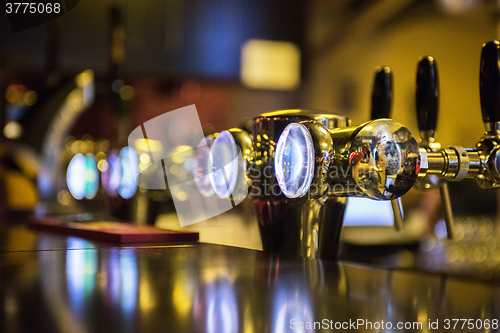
(270, 64)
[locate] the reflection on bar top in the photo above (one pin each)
(214, 288)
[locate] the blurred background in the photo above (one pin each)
(337, 45)
(130, 61)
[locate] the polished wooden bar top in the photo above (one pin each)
(54, 283)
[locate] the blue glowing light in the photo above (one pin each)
(81, 271)
(291, 301)
(91, 176)
(111, 177)
(222, 308)
(363, 211)
(75, 176)
(128, 184)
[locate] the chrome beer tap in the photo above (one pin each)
(216, 151)
(381, 108)
(234, 181)
(427, 102)
(378, 160)
(488, 147)
(482, 162)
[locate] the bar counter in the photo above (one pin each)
(55, 283)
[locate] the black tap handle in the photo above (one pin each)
(489, 82)
(427, 94)
(382, 94)
(381, 108)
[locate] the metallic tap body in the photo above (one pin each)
(292, 226)
(456, 163)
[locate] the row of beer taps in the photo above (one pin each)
(455, 163)
(383, 159)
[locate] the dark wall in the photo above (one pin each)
(175, 37)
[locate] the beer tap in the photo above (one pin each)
(488, 147)
(381, 108)
(482, 162)
(427, 102)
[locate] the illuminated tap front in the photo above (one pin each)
(379, 159)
